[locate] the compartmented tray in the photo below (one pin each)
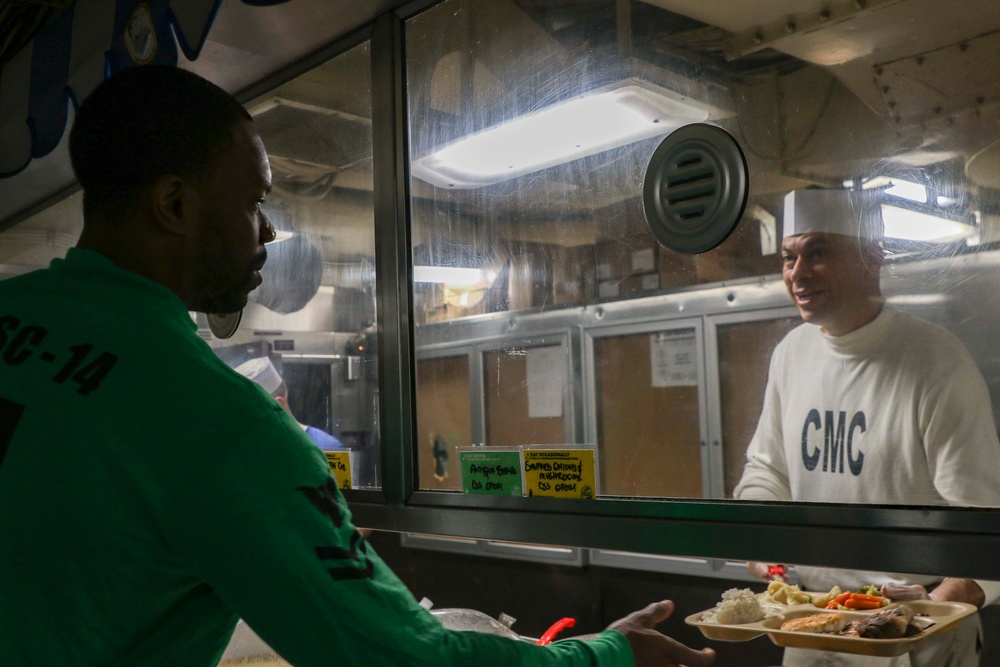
(931, 615)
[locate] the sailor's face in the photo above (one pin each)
(233, 227)
(830, 281)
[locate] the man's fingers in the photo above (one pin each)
(652, 648)
(656, 613)
(759, 570)
(698, 658)
(904, 592)
(682, 654)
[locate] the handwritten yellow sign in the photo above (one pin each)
(559, 473)
(340, 465)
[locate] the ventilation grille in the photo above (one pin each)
(695, 188)
(691, 186)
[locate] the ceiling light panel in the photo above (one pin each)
(902, 223)
(558, 134)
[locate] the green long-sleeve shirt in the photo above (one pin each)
(150, 496)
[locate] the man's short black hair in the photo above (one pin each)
(146, 122)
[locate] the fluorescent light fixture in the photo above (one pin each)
(557, 134)
(897, 187)
(901, 223)
(917, 299)
(446, 274)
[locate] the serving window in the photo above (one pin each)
(523, 241)
(524, 204)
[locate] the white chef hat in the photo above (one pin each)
(261, 371)
(848, 212)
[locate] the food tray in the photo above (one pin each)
(933, 616)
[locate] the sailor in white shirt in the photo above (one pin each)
(865, 404)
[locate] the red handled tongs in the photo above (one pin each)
(556, 628)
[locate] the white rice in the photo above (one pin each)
(738, 605)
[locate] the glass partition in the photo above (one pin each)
(501, 245)
(531, 126)
(314, 314)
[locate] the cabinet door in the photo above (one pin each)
(744, 352)
(526, 391)
(648, 413)
(444, 420)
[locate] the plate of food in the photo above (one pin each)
(737, 617)
(780, 593)
(892, 629)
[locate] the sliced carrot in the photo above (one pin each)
(863, 604)
(861, 597)
(839, 600)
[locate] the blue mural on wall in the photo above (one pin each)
(87, 42)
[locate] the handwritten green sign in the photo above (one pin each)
(491, 473)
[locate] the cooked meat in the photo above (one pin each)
(833, 622)
(850, 630)
(888, 624)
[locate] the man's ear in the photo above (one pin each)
(175, 204)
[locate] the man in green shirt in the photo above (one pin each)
(149, 495)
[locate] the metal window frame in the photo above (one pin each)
(710, 568)
(534, 553)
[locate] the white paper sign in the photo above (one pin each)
(546, 381)
(673, 360)
(607, 289)
(643, 260)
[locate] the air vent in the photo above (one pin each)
(695, 189)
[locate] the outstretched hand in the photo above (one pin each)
(951, 589)
(905, 592)
(766, 571)
(652, 648)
